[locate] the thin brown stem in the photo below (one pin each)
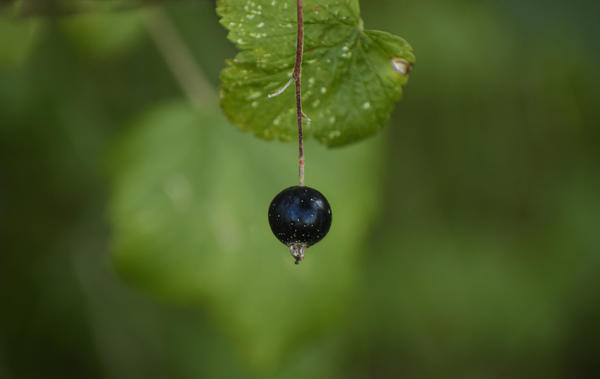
(297, 78)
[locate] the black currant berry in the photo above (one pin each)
(299, 217)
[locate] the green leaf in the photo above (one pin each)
(189, 214)
(351, 77)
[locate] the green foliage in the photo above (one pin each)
(16, 41)
(470, 224)
(24, 8)
(103, 34)
(350, 75)
(189, 210)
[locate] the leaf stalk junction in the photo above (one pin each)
(296, 77)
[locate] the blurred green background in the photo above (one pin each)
(133, 233)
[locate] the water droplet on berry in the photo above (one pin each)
(297, 250)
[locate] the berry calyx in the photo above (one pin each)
(299, 217)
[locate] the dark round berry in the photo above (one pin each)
(299, 217)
